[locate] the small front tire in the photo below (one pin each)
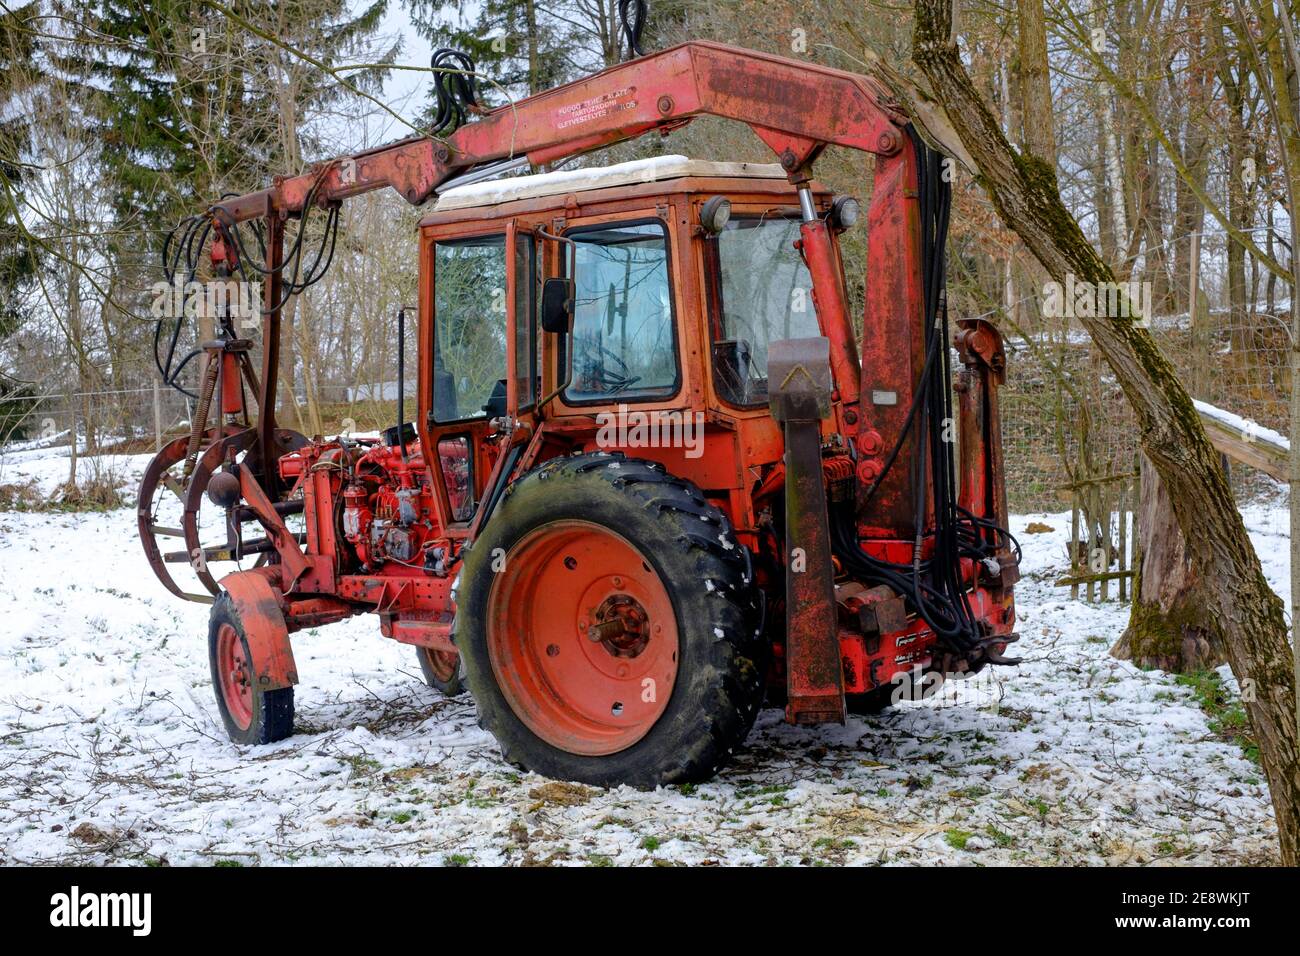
(250, 715)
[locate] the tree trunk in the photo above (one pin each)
(1189, 214)
(1238, 213)
(1035, 82)
(1243, 609)
(1167, 626)
(534, 63)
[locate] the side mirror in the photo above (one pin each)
(557, 306)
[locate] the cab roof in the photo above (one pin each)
(636, 172)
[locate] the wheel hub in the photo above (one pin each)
(620, 625)
(235, 677)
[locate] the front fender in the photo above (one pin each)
(264, 628)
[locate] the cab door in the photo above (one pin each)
(482, 353)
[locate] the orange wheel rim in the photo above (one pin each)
(443, 664)
(234, 676)
(582, 637)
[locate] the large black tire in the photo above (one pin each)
(271, 711)
(709, 579)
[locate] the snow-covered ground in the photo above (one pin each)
(111, 749)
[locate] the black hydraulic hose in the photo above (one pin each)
(934, 587)
(454, 87)
(935, 206)
(632, 14)
(185, 244)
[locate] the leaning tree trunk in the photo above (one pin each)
(1243, 608)
(1169, 625)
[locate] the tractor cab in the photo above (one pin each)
(650, 289)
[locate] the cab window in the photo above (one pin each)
(469, 353)
(761, 292)
(624, 344)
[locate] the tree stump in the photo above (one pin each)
(1169, 625)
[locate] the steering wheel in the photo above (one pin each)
(594, 354)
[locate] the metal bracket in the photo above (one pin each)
(799, 377)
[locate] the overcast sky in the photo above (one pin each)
(405, 90)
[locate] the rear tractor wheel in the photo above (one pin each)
(608, 625)
(251, 716)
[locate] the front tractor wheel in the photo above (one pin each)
(441, 670)
(607, 623)
(251, 716)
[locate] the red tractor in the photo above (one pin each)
(650, 479)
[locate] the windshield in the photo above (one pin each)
(764, 294)
(623, 342)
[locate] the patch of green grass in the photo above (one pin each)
(763, 790)
(402, 816)
(361, 766)
(228, 863)
(455, 859)
(1226, 716)
(599, 859)
(650, 843)
(1041, 805)
(957, 839)
(830, 843)
(998, 837)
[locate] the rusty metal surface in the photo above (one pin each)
(893, 343)
(800, 392)
(797, 106)
(286, 545)
(259, 611)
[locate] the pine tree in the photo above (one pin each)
(18, 257)
(519, 47)
(189, 104)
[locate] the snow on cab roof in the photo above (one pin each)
(599, 177)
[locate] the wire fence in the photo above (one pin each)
(1068, 429)
(140, 420)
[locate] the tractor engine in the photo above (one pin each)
(386, 508)
(381, 496)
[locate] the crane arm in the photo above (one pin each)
(796, 107)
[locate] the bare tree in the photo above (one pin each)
(1247, 614)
